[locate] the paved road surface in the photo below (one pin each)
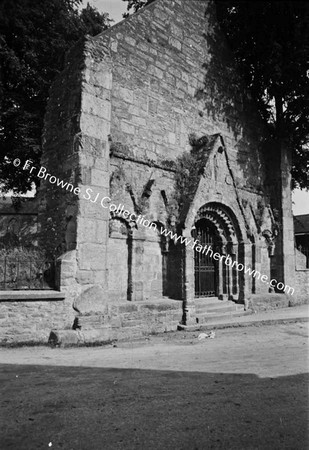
(245, 389)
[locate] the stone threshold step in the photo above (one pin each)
(208, 319)
(228, 306)
(205, 301)
(209, 300)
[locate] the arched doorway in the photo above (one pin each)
(206, 269)
(217, 231)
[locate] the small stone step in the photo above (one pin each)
(209, 301)
(214, 307)
(214, 318)
(216, 310)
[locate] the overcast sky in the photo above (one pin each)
(300, 202)
(115, 8)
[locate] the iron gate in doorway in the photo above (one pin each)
(206, 269)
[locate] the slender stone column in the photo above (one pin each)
(189, 314)
(220, 275)
(130, 264)
(249, 261)
(242, 282)
(230, 272)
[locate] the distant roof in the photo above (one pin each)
(301, 224)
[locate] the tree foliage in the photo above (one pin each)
(270, 42)
(34, 36)
(135, 5)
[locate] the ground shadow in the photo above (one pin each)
(95, 408)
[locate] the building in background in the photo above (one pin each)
(301, 230)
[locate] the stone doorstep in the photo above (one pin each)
(213, 318)
(160, 307)
(151, 322)
(220, 307)
(161, 304)
(31, 295)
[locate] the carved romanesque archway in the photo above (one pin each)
(216, 227)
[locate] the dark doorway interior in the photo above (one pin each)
(206, 269)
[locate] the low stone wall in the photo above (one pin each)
(39, 317)
(266, 302)
(28, 316)
(122, 321)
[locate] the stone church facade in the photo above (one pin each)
(144, 125)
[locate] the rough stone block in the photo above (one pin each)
(92, 208)
(99, 78)
(104, 334)
(85, 277)
(126, 94)
(65, 338)
(127, 127)
(95, 126)
(99, 178)
(68, 269)
(101, 231)
(175, 43)
(86, 230)
(96, 106)
(92, 257)
(92, 299)
(172, 138)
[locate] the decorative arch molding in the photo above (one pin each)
(223, 219)
(229, 282)
(216, 224)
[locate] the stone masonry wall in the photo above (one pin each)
(144, 87)
(92, 221)
(31, 320)
(160, 59)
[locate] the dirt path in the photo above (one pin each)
(244, 389)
